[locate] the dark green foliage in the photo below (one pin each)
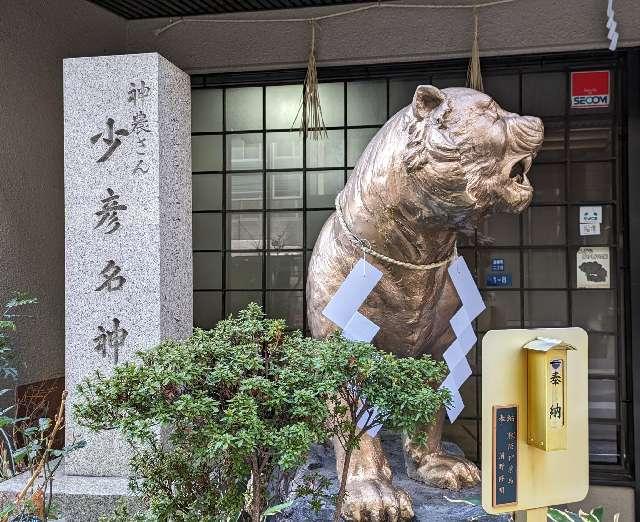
(237, 402)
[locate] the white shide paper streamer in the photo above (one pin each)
(612, 35)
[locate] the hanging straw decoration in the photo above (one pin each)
(310, 108)
(474, 74)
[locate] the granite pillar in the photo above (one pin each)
(128, 264)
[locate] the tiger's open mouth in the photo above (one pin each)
(519, 170)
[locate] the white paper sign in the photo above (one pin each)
(593, 267)
(589, 229)
(590, 214)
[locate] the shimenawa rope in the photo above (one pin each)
(366, 247)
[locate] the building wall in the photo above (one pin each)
(387, 35)
(35, 36)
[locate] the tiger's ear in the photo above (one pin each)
(425, 100)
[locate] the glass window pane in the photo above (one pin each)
(590, 181)
(594, 310)
(503, 310)
(470, 258)
(469, 396)
(504, 89)
(283, 103)
(244, 191)
(544, 226)
(465, 434)
(315, 222)
(244, 270)
(207, 192)
(207, 309)
(287, 306)
(206, 153)
(442, 82)
(602, 399)
(500, 230)
(236, 301)
(357, 141)
(367, 102)
(323, 187)
(285, 230)
(207, 231)
(544, 93)
(244, 151)
(326, 152)
(499, 268)
(606, 235)
(284, 270)
(284, 189)
(591, 140)
(548, 182)
(603, 443)
(207, 270)
(284, 150)
(244, 231)
(602, 354)
(401, 92)
(545, 309)
(244, 108)
(545, 268)
(554, 142)
(206, 110)
(332, 101)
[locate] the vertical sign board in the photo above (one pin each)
(590, 89)
(128, 267)
(505, 455)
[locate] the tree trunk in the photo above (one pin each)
(256, 496)
(343, 485)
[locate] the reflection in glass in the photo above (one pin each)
(315, 222)
(284, 150)
(545, 268)
(244, 108)
(332, 101)
(244, 191)
(285, 230)
(206, 110)
(500, 230)
(602, 354)
(244, 270)
(603, 443)
(284, 189)
(591, 181)
(544, 226)
(236, 301)
(207, 231)
(592, 141)
(323, 186)
(401, 93)
(327, 152)
(594, 310)
(284, 270)
(206, 153)
(282, 104)
(553, 144)
(504, 89)
(503, 310)
(548, 182)
(602, 399)
(244, 231)
(287, 306)
(244, 151)
(357, 141)
(544, 93)
(207, 192)
(545, 309)
(207, 270)
(367, 102)
(605, 236)
(207, 309)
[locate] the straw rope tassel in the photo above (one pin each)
(312, 120)
(474, 73)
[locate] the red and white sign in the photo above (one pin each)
(590, 89)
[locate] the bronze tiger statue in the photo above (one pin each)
(435, 169)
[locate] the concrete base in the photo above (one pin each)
(80, 499)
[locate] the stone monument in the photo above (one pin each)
(128, 261)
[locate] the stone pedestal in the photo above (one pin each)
(128, 273)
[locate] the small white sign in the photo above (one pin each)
(593, 267)
(589, 229)
(590, 214)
